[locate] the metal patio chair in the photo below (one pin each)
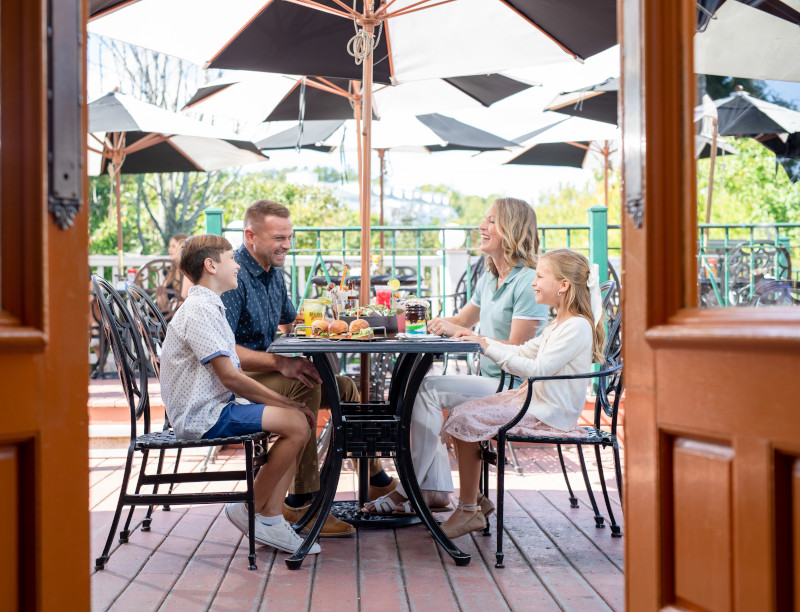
(607, 400)
(126, 343)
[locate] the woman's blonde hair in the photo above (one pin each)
(516, 225)
(574, 267)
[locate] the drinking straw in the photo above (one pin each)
(344, 273)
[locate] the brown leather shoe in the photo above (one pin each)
(461, 522)
(333, 527)
(376, 492)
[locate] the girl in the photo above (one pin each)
(504, 304)
(567, 345)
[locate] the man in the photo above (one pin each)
(255, 311)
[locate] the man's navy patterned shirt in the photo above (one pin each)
(259, 304)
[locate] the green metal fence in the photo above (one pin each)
(732, 258)
(317, 252)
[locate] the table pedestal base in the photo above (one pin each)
(348, 512)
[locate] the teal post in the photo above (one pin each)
(783, 261)
(214, 221)
(598, 240)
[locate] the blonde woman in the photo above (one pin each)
(504, 305)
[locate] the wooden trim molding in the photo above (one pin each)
(747, 329)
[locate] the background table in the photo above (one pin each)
(372, 429)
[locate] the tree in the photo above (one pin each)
(155, 206)
(748, 188)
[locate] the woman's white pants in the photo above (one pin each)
(428, 454)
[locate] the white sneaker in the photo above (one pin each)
(281, 535)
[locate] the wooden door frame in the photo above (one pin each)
(660, 294)
(43, 331)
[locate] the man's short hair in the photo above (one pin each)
(256, 212)
(197, 249)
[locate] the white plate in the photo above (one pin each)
(422, 337)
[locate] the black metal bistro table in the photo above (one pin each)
(367, 430)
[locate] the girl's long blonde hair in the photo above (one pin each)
(574, 267)
(516, 225)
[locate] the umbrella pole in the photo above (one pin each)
(366, 187)
(117, 190)
(606, 153)
(711, 175)
(382, 157)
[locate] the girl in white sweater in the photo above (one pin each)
(568, 345)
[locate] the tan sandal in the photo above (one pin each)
(464, 520)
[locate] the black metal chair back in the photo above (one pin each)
(123, 338)
(151, 323)
(163, 282)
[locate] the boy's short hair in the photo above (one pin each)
(256, 212)
(197, 249)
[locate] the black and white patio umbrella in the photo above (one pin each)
(754, 39)
(310, 135)
(133, 137)
(596, 102)
(555, 146)
(254, 96)
(416, 39)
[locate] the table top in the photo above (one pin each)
(290, 344)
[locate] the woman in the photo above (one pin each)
(503, 303)
(175, 280)
(567, 346)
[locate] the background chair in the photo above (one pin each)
(123, 335)
(163, 282)
(607, 400)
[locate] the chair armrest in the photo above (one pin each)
(524, 410)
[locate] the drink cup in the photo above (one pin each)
(383, 295)
(312, 310)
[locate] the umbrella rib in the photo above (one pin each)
(574, 101)
(543, 31)
(146, 142)
(410, 9)
(326, 85)
(384, 8)
(349, 14)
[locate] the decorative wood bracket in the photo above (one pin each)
(65, 130)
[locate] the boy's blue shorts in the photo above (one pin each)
(236, 420)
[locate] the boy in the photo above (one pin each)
(200, 375)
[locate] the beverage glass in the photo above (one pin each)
(383, 295)
(312, 310)
(416, 316)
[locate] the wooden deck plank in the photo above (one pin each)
(594, 566)
(380, 575)
(194, 559)
(567, 586)
(427, 582)
(336, 577)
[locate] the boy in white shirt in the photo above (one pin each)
(200, 377)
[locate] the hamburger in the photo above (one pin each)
(360, 330)
(337, 330)
(319, 328)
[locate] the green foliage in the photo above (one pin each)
(748, 188)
